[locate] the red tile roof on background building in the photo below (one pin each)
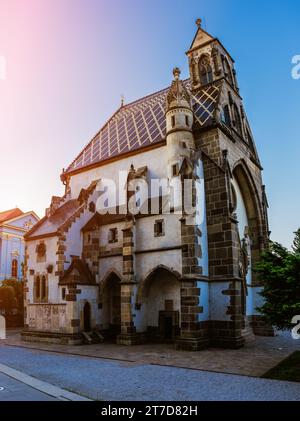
(10, 214)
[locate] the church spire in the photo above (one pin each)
(209, 60)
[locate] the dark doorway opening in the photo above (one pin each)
(87, 317)
(112, 308)
(168, 325)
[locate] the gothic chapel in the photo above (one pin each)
(155, 277)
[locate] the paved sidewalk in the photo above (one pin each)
(105, 380)
(18, 386)
(254, 360)
(13, 390)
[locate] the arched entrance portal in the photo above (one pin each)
(252, 232)
(87, 317)
(111, 306)
(161, 301)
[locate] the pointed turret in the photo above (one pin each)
(179, 121)
(178, 96)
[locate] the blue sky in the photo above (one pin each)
(69, 61)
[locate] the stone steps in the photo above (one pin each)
(93, 337)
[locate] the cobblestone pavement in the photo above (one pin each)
(13, 390)
(115, 380)
(253, 360)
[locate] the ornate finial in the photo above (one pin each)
(122, 100)
(199, 22)
(176, 73)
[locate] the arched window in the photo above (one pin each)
(237, 119)
(226, 116)
(37, 288)
(194, 72)
(14, 268)
(43, 288)
(227, 71)
(205, 71)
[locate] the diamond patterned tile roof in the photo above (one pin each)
(142, 123)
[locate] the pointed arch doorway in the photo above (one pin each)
(111, 307)
(160, 297)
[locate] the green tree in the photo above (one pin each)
(8, 301)
(18, 287)
(279, 270)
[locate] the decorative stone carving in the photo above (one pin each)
(178, 94)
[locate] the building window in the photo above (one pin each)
(237, 120)
(37, 289)
(63, 293)
(113, 235)
(226, 116)
(175, 170)
(205, 71)
(159, 228)
(187, 121)
(194, 71)
(14, 268)
(173, 121)
(41, 252)
(183, 145)
(43, 288)
(227, 71)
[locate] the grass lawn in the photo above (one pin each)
(288, 369)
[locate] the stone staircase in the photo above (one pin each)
(93, 337)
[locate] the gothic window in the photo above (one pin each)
(227, 71)
(215, 55)
(194, 71)
(205, 71)
(37, 288)
(14, 268)
(237, 120)
(226, 116)
(43, 288)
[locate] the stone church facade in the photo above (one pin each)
(157, 276)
